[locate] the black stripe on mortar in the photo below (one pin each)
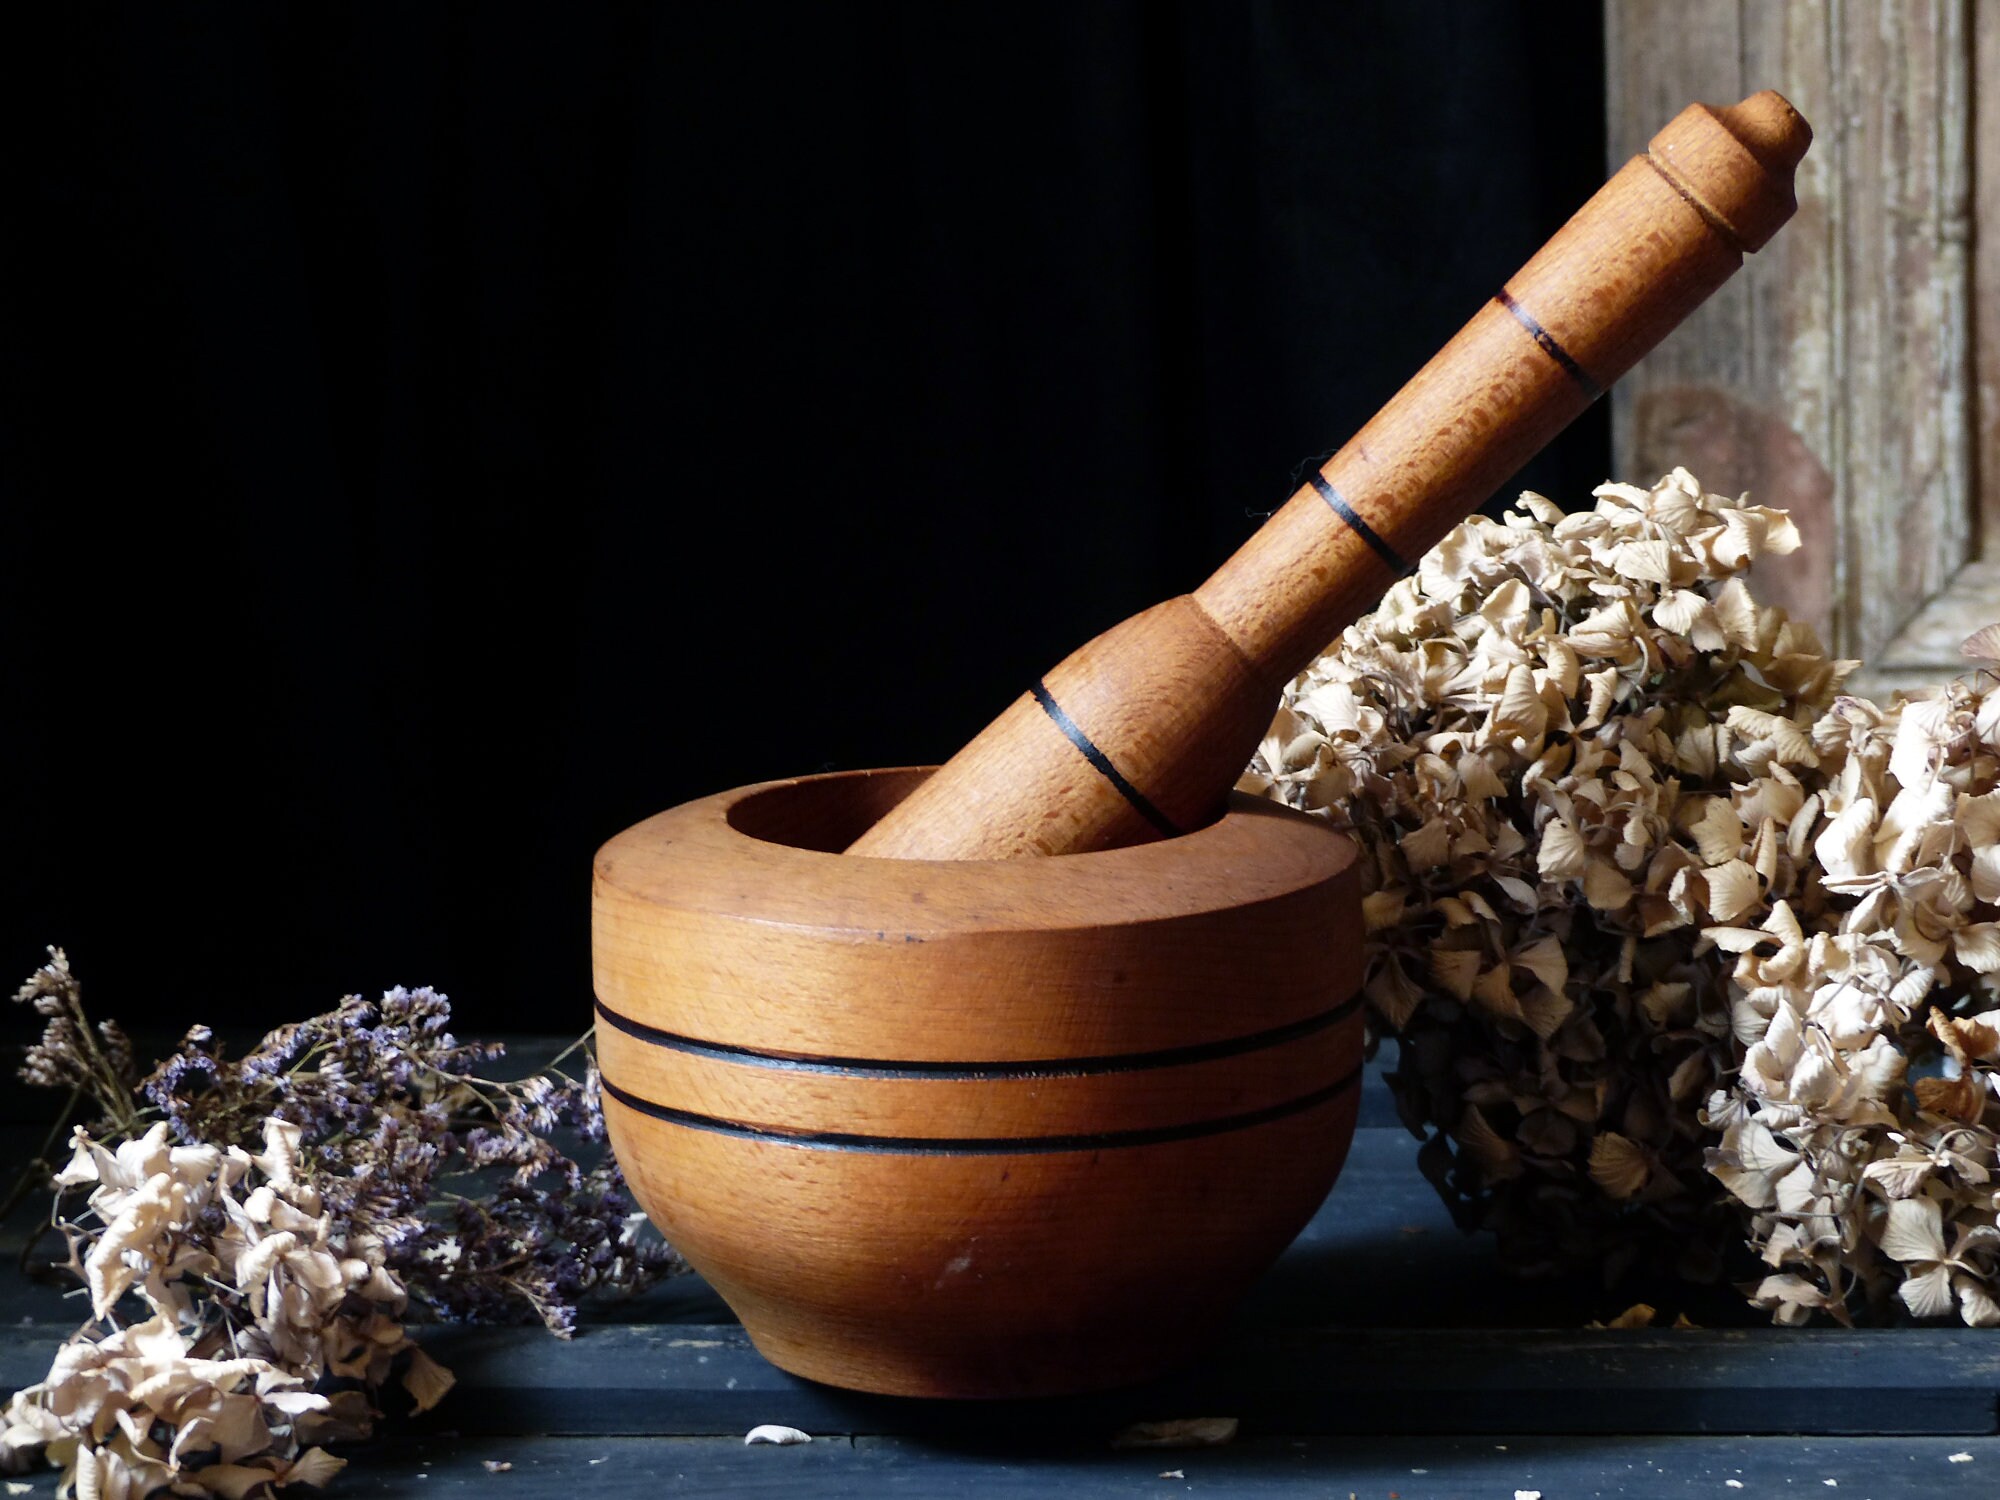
(1102, 762)
(1359, 527)
(1590, 388)
(1047, 1067)
(1006, 1145)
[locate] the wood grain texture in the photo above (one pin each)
(1282, 1468)
(1986, 280)
(1835, 377)
(975, 1128)
(1143, 730)
(709, 1379)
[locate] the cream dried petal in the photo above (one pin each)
(1798, 1190)
(1735, 939)
(1847, 846)
(1520, 711)
(281, 1151)
(1544, 958)
(1651, 561)
(82, 1165)
(1928, 1293)
(1985, 879)
(1383, 909)
(1456, 969)
(1909, 991)
(1562, 855)
(1541, 507)
(1605, 887)
(1508, 603)
(1478, 780)
(1545, 1010)
(1736, 612)
(1790, 1296)
(112, 1264)
(1982, 645)
(426, 1380)
(1920, 733)
(1976, 1304)
(315, 1467)
(257, 1263)
(1690, 1078)
(1789, 743)
(1680, 610)
(1603, 697)
(1977, 946)
(1718, 832)
(1733, 889)
(1978, 820)
(1666, 1002)
(1762, 1151)
(1617, 1164)
(1496, 1156)
(1428, 847)
(1765, 850)
(1960, 1098)
(1495, 990)
(1913, 1230)
(1898, 1177)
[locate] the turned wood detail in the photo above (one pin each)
(1142, 732)
(976, 1128)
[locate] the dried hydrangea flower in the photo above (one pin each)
(257, 1297)
(282, 1219)
(1654, 910)
(1861, 1133)
(1566, 745)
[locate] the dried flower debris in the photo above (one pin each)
(773, 1432)
(253, 1254)
(1682, 946)
(1861, 1132)
(213, 1395)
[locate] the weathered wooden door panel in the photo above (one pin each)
(1841, 374)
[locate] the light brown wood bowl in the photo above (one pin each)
(975, 1128)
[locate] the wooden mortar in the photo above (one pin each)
(995, 1128)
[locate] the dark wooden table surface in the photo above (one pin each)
(1386, 1355)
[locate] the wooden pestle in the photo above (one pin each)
(1141, 733)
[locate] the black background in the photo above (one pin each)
(436, 437)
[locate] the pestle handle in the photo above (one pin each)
(1142, 732)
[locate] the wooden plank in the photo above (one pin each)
(1413, 1469)
(1834, 376)
(1359, 1328)
(692, 1381)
